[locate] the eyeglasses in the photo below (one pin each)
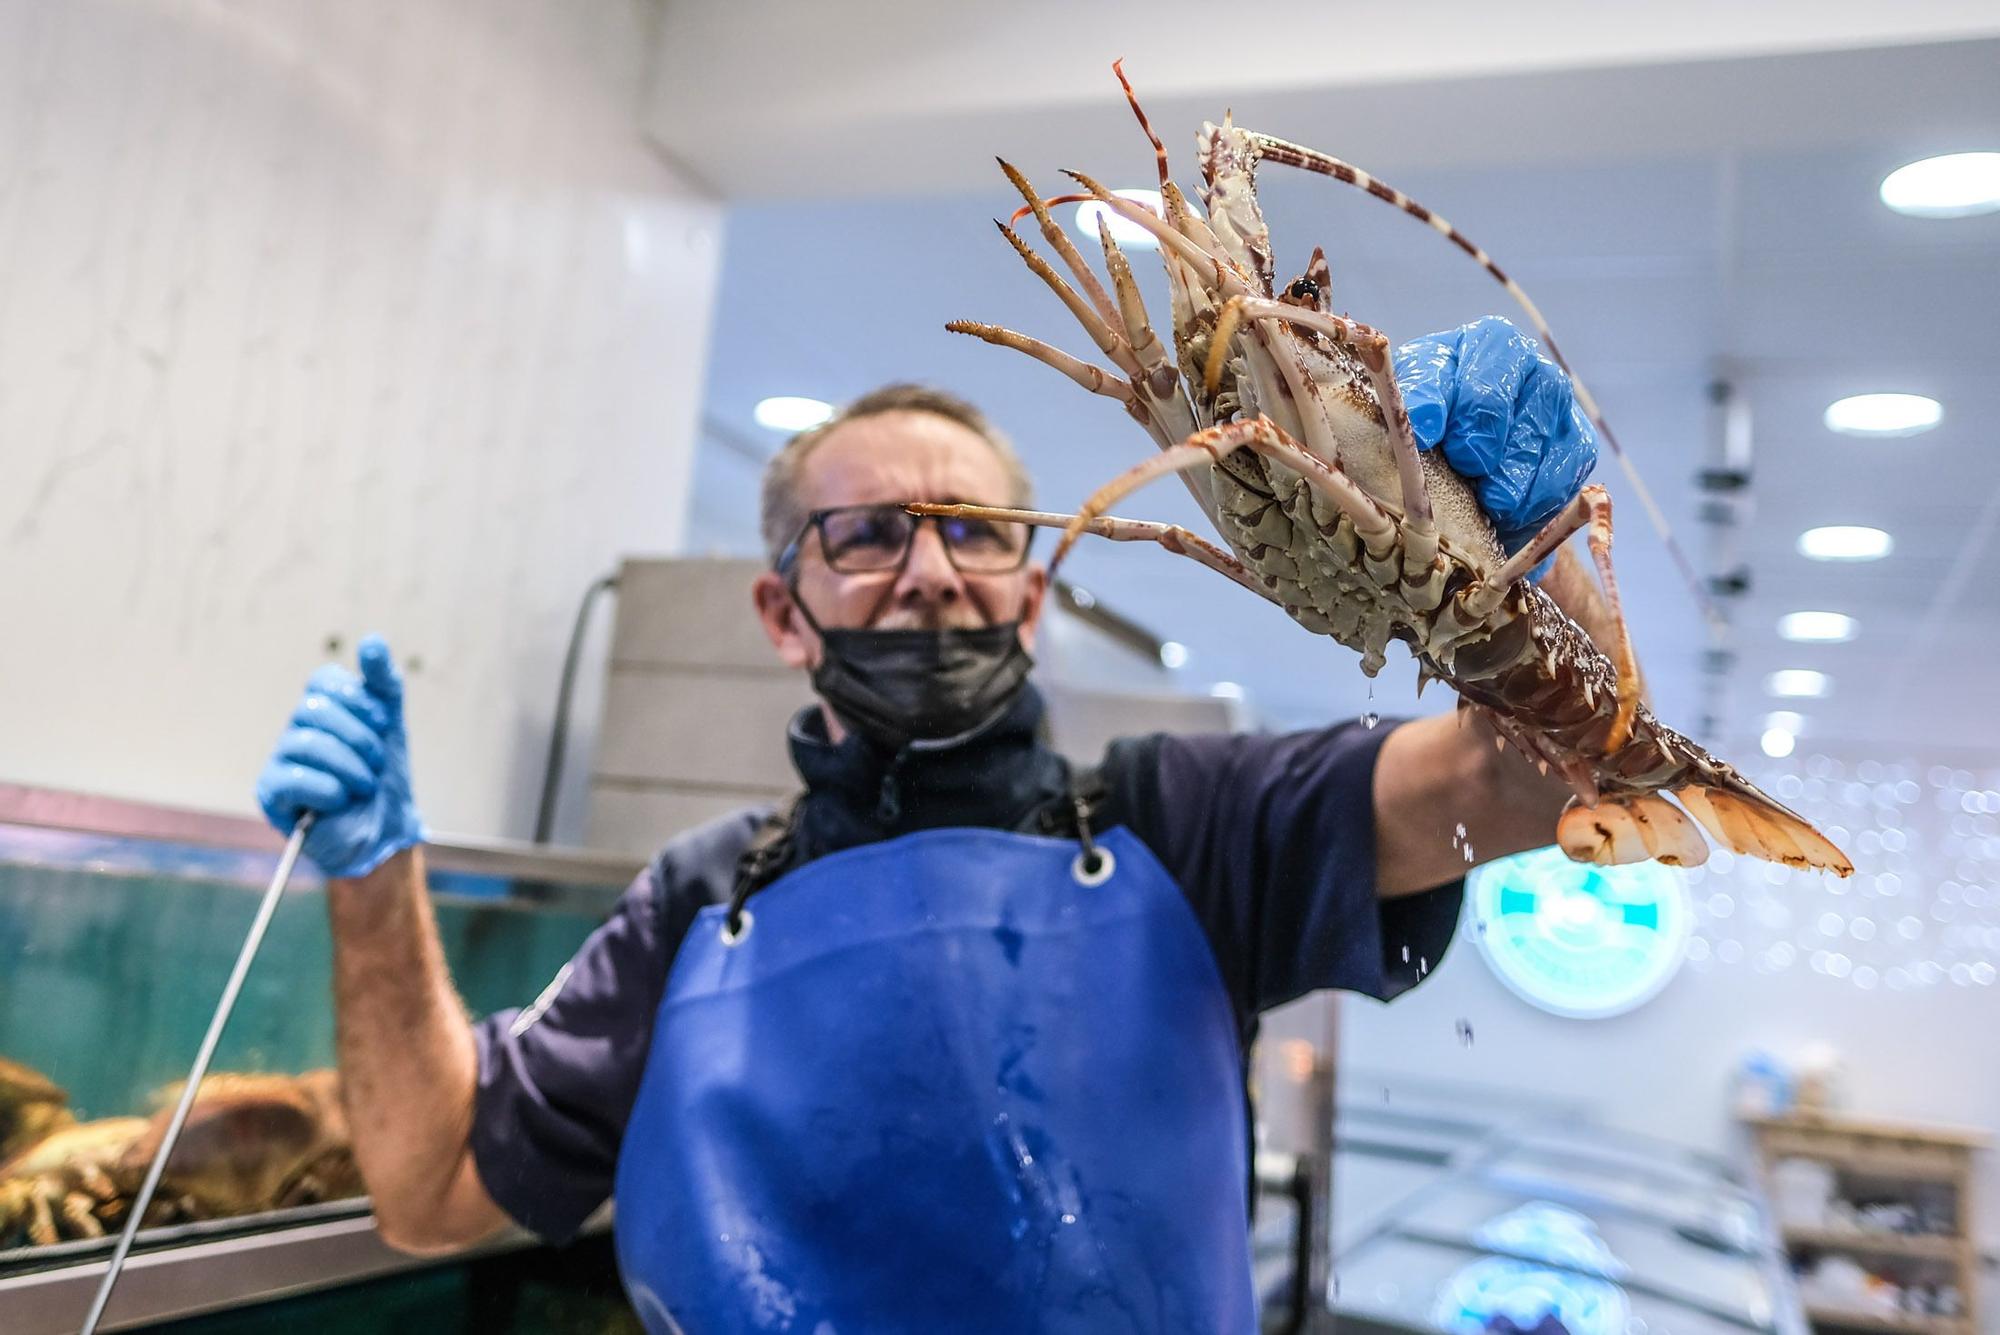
(860, 539)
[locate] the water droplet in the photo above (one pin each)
(1370, 719)
(1465, 1032)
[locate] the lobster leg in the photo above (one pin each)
(1590, 506)
(1107, 339)
(1420, 543)
(1161, 377)
(1093, 378)
(1185, 247)
(1056, 237)
(1263, 436)
(1173, 537)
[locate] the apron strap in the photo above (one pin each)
(769, 851)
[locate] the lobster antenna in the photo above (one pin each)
(1159, 149)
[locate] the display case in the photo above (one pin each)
(1459, 1211)
(119, 923)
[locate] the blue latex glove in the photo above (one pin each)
(1506, 419)
(344, 756)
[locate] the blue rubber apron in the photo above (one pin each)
(943, 1083)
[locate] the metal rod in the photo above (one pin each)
(216, 1023)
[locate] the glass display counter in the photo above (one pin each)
(118, 926)
(1516, 1217)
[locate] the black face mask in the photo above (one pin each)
(900, 686)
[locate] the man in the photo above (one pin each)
(956, 1041)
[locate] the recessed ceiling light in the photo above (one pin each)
(1173, 654)
(1784, 720)
(1845, 542)
(1956, 185)
(1883, 415)
(1226, 690)
(1801, 683)
(1123, 230)
(1778, 743)
(786, 412)
(1817, 627)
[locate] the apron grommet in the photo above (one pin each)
(1086, 874)
(733, 937)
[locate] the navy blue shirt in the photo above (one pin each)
(1270, 837)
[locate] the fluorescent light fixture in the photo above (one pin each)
(1123, 230)
(1956, 185)
(1173, 654)
(1845, 542)
(1226, 690)
(1784, 720)
(1800, 683)
(1817, 627)
(1883, 415)
(787, 412)
(1778, 743)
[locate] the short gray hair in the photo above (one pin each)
(782, 513)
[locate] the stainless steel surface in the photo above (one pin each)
(187, 1269)
(192, 1086)
(210, 1276)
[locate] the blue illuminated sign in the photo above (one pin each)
(1576, 939)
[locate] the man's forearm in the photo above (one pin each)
(407, 1063)
(1447, 798)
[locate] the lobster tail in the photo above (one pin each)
(1632, 828)
(1744, 819)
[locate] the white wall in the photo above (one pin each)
(316, 319)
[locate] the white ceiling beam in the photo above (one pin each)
(774, 99)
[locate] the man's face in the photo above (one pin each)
(898, 457)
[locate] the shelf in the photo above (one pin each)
(1918, 1165)
(1941, 1246)
(1902, 1323)
(1829, 1124)
(1898, 1152)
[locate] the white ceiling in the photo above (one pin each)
(771, 98)
(1673, 221)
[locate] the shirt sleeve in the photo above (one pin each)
(557, 1080)
(1272, 839)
